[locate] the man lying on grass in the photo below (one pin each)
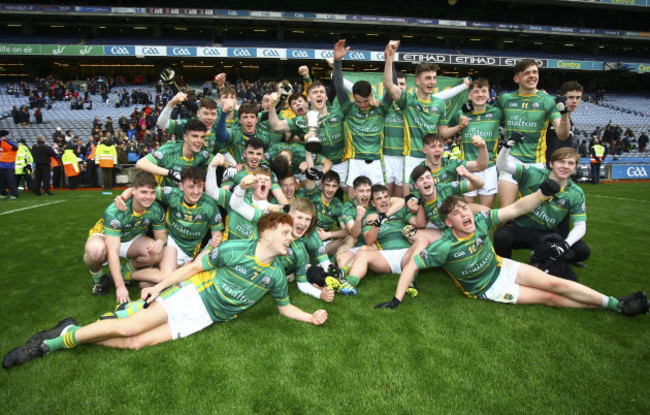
(218, 288)
(466, 253)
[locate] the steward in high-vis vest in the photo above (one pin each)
(24, 162)
(71, 165)
(596, 155)
(8, 149)
(106, 156)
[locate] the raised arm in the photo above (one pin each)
(337, 74)
(390, 84)
(483, 159)
(163, 118)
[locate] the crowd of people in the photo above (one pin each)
(324, 189)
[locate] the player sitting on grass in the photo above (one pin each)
(218, 288)
(466, 253)
(122, 235)
(190, 215)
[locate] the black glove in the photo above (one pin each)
(313, 174)
(412, 196)
(285, 91)
(467, 107)
(229, 174)
(549, 187)
(28, 168)
(381, 219)
(265, 167)
(392, 304)
(560, 104)
(174, 175)
(515, 137)
(286, 208)
(316, 275)
(558, 249)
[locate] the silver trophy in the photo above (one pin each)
(313, 120)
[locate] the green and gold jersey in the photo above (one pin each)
(238, 227)
(296, 261)
(314, 247)
(265, 128)
(364, 131)
(188, 225)
(238, 140)
(330, 215)
(568, 201)
(529, 115)
(420, 118)
(349, 211)
(235, 280)
(170, 156)
(330, 133)
(394, 132)
(390, 234)
(471, 262)
(129, 224)
(485, 124)
(211, 145)
(443, 191)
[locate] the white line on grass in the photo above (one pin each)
(620, 198)
(30, 207)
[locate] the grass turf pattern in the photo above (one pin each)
(437, 353)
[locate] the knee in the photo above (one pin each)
(95, 253)
(134, 343)
(125, 329)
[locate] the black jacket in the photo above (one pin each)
(42, 153)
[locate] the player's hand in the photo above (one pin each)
(310, 134)
(467, 107)
(375, 102)
(323, 235)
(217, 237)
(149, 295)
(303, 166)
(412, 203)
(515, 137)
(549, 187)
(467, 81)
(228, 105)
(360, 211)
(409, 231)
(319, 317)
(391, 48)
(229, 174)
(327, 295)
(303, 71)
(122, 295)
(313, 174)
(560, 249)
(156, 247)
(478, 141)
(464, 122)
(239, 166)
(119, 203)
(392, 304)
(370, 219)
(381, 219)
(560, 104)
(174, 175)
(217, 160)
(178, 98)
(248, 181)
(340, 50)
(220, 79)
(462, 171)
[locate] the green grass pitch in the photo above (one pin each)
(439, 353)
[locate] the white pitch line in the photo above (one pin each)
(620, 198)
(30, 207)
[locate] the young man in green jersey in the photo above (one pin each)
(190, 215)
(238, 137)
(423, 113)
(528, 112)
(386, 234)
(466, 253)
(364, 124)
(122, 235)
(524, 232)
(481, 120)
(172, 157)
(218, 288)
(206, 113)
(431, 195)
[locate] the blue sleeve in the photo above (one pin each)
(222, 133)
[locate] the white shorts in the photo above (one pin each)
(504, 289)
(186, 313)
(409, 164)
(181, 257)
(342, 170)
(512, 160)
(373, 170)
(394, 166)
(353, 250)
(489, 177)
(124, 247)
(394, 258)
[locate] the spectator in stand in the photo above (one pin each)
(23, 116)
(132, 152)
(38, 115)
(122, 157)
(123, 122)
(97, 122)
(108, 125)
(643, 142)
(132, 133)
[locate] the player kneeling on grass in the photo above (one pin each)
(218, 288)
(466, 253)
(120, 234)
(190, 215)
